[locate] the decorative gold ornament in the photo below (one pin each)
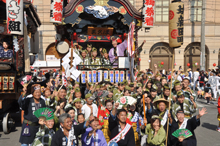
(80, 9)
(101, 2)
(122, 10)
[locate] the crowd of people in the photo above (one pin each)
(102, 114)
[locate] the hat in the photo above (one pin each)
(147, 90)
(127, 88)
(110, 88)
(131, 84)
(163, 78)
(91, 84)
(154, 86)
(89, 45)
(76, 100)
(77, 89)
(139, 74)
(94, 49)
(166, 86)
(179, 93)
(125, 82)
(156, 117)
(98, 86)
(104, 51)
(176, 82)
(160, 100)
(103, 85)
(84, 51)
(107, 80)
(121, 83)
(88, 95)
(139, 85)
(35, 87)
(186, 78)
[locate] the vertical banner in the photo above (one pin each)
(116, 76)
(112, 76)
(105, 75)
(99, 75)
(83, 77)
(176, 24)
(128, 75)
(122, 75)
(89, 76)
(56, 11)
(64, 81)
(15, 15)
(94, 76)
(148, 13)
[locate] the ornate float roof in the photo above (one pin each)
(76, 7)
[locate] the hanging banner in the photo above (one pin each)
(89, 76)
(148, 13)
(83, 77)
(176, 24)
(15, 15)
(105, 75)
(122, 74)
(128, 74)
(94, 76)
(116, 76)
(99, 75)
(56, 11)
(112, 76)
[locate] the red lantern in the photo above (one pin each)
(54, 70)
(175, 64)
(139, 59)
(214, 64)
(162, 63)
(188, 64)
(74, 36)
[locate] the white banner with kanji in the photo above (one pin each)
(148, 13)
(15, 13)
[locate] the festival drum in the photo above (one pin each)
(63, 46)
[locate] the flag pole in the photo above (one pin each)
(170, 95)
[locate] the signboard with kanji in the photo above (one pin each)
(15, 13)
(176, 24)
(100, 31)
(148, 13)
(56, 11)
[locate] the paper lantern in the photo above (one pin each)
(149, 60)
(56, 11)
(196, 63)
(175, 64)
(162, 63)
(214, 64)
(139, 59)
(176, 22)
(188, 64)
(54, 70)
(148, 13)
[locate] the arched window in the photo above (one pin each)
(192, 55)
(161, 52)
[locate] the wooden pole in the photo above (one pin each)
(170, 96)
(144, 108)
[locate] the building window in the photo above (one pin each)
(196, 10)
(162, 10)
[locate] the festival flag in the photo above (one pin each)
(130, 41)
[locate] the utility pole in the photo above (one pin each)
(202, 56)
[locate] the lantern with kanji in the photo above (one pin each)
(188, 64)
(214, 64)
(176, 23)
(148, 13)
(56, 11)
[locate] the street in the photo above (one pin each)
(206, 133)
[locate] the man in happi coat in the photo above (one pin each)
(68, 133)
(121, 132)
(183, 123)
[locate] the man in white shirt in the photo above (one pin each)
(89, 108)
(213, 82)
(195, 78)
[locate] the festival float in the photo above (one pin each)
(96, 22)
(18, 20)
